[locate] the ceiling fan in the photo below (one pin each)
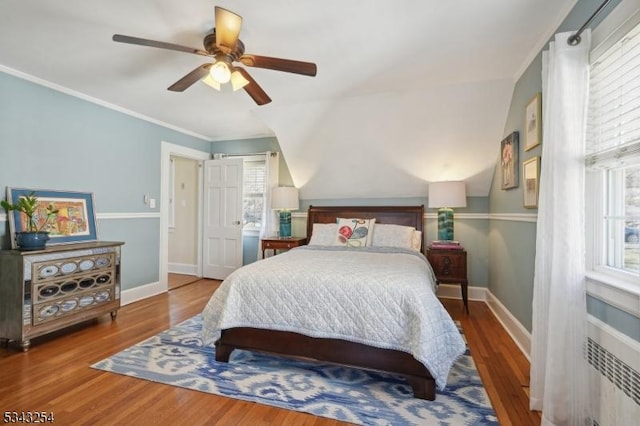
(224, 46)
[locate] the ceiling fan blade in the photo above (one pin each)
(253, 89)
(228, 26)
(278, 64)
(191, 78)
(160, 44)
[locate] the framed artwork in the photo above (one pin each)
(75, 221)
(530, 177)
(533, 123)
(509, 161)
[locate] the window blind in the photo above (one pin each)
(613, 124)
(254, 177)
(253, 193)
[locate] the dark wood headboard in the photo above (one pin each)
(397, 215)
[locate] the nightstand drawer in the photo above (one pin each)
(450, 271)
(282, 243)
(450, 265)
(279, 245)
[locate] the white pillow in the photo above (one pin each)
(323, 234)
(417, 240)
(388, 235)
(354, 232)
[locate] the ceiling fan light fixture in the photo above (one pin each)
(209, 81)
(220, 72)
(238, 81)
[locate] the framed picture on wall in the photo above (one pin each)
(509, 161)
(530, 177)
(74, 222)
(533, 123)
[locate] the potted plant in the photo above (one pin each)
(34, 238)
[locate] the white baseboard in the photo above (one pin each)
(141, 292)
(183, 268)
(452, 291)
(518, 333)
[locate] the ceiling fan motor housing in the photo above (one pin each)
(213, 49)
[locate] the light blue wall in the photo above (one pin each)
(256, 145)
(512, 243)
(51, 140)
(617, 318)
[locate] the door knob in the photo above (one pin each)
(237, 222)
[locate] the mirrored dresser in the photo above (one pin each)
(45, 290)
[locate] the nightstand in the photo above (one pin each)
(275, 243)
(450, 267)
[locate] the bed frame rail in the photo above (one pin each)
(328, 350)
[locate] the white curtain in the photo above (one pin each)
(269, 217)
(559, 385)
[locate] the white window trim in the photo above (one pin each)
(612, 287)
(614, 291)
(251, 232)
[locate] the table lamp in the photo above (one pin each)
(445, 196)
(285, 199)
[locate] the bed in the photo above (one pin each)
(254, 307)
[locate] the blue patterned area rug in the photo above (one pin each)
(176, 357)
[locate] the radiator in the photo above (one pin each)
(614, 374)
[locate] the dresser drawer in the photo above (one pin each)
(71, 266)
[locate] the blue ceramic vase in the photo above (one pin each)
(31, 240)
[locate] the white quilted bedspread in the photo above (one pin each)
(379, 297)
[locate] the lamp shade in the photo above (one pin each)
(447, 194)
(285, 198)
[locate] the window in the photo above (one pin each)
(613, 159)
(253, 192)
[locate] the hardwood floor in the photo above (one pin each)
(178, 280)
(54, 376)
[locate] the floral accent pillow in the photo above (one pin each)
(354, 232)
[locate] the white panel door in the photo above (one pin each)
(222, 240)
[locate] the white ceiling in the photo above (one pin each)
(407, 92)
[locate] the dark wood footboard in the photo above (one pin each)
(329, 350)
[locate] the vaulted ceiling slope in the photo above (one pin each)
(407, 91)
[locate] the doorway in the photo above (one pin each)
(183, 221)
(177, 152)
